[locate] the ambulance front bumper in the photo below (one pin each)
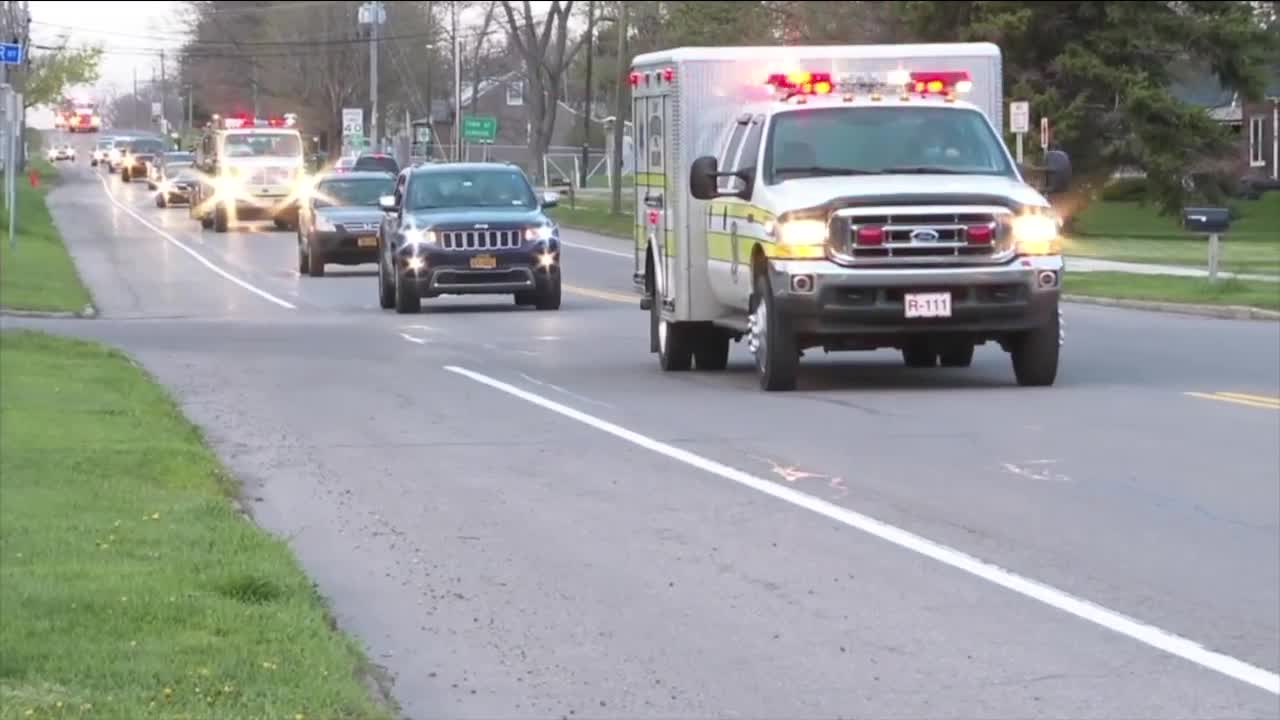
(822, 298)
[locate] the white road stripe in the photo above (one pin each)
(413, 339)
(595, 249)
(1142, 632)
(198, 257)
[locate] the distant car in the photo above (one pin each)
(376, 161)
(138, 155)
(467, 228)
(155, 171)
(100, 150)
(116, 152)
(62, 152)
(175, 182)
(339, 221)
(344, 164)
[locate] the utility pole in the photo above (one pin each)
(457, 84)
(254, 64)
(373, 14)
(586, 111)
(619, 114)
(135, 103)
(164, 96)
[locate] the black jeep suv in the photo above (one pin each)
(467, 228)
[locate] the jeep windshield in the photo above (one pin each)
(495, 188)
(882, 141)
(263, 144)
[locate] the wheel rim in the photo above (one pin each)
(759, 341)
(662, 336)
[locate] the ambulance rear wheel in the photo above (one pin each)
(675, 342)
(772, 341)
(712, 352)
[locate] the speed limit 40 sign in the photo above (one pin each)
(352, 121)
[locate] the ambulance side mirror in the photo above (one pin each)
(704, 178)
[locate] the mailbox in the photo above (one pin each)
(1206, 220)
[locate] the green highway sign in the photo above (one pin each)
(480, 127)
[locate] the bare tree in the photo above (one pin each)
(547, 53)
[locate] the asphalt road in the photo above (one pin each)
(520, 516)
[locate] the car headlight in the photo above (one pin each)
(414, 237)
(540, 233)
(324, 224)
(1036, 234)
(802, 232)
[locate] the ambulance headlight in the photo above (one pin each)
(1036, 234)
(802, 232)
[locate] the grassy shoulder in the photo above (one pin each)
(130, 587)
(38, 274)
(592, 214)
(1256, 220)
(1166, 288)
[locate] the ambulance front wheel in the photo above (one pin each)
(772, 341)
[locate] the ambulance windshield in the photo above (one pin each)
(882, 141)
(263, 144)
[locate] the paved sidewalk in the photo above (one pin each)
(1080, 264)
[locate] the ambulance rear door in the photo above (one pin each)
(653, 101)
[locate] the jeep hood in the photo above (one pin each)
(811, 192)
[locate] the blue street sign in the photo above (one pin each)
(12, 53)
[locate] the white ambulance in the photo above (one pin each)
(844, 198)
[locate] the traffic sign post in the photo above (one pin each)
(352, 121)
(1019, 122)
(479, 128)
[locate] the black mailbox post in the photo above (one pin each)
(1212, 222)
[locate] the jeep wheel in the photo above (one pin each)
(315, 259)
(386, 288)
(1035, 353)
(548, 296)
(772, 342)
(407, 300)
(124, 174)
(160, 200)
(304, 262)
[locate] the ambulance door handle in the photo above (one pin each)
(653, 201)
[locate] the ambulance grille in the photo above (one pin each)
(481, 239)
(929, 236)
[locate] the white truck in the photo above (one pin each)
(842, 197)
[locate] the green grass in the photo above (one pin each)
(1258, 220)
(1258, 258)
(1165, 288)
(592, 214)
(38, 274)
(130, 587)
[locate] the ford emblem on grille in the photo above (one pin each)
(924, 235)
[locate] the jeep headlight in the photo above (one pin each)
(802, 232)
(540, 233)
(414, 236)
(1036, 234)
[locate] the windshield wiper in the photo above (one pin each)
(928, 170)
(823, 170)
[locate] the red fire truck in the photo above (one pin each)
(78, 115)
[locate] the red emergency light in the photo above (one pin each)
(634, 78)
(941, 82)
(802, 82)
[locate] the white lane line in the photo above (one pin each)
(413, 339)
(198, 257)
(595, 249)
(1085, 610)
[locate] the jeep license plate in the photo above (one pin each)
(484, 262)
(367, 241)
(927, 305)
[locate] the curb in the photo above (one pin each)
(1224, 312)
(86, 313)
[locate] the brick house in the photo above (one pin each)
(1260, 126)
(503, 98)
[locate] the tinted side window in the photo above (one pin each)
(731, 152)
(751, 146)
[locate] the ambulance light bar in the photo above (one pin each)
(801, 82)
(940, 82)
